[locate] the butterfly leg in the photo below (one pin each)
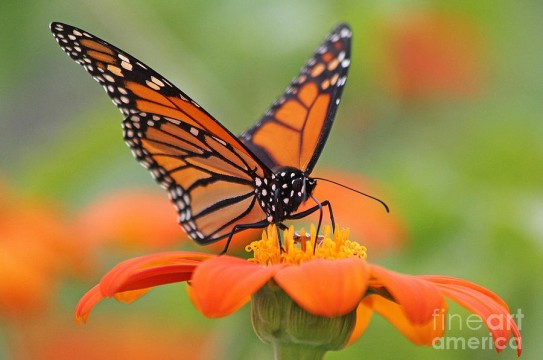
(241, 227)
(310, 211)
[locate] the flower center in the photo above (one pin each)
(300, 247)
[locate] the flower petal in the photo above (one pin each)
(87, 303)
(222, 285)
(418, 298)
(151, 270)
(418, 333)
(363, 317)
(489, 306)
(133, 278)
(326, 287)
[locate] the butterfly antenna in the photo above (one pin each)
(356, 191)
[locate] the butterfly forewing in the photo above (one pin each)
(133, 86)
(294, 131)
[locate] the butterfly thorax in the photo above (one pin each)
(283, 192)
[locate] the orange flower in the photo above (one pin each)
(381, 231)
(138, 218)
(332, 281)
(36, 246)
(132, 218)
(434, 54)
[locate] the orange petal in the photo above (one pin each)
(222, 285)
(363, 317)
(418, 298)
(151, 270)
(326, 287)
(133, 278)
(87, 303)
(484, 303)
(418, 333)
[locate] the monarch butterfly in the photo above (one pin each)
(221, 184)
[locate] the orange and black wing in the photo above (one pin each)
(293, 132)
(210, 182)
(208, 172)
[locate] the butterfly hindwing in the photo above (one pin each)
(209, 181)
(293, 132)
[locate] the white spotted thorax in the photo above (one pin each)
(283, 193)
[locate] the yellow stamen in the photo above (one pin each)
(298, 248)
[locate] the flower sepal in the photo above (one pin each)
(293, 332)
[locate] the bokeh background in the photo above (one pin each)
(441, 118)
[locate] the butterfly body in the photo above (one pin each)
(282, 194)
(219, 183)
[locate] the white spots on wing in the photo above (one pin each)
(194, 131)
(173, 121)
(285, 200)
(152, 85)
(258, 182)
(126, 65)
(345, 63)
(109, 78)
(123, 58)
(345, 33)
(157, 81)
(115, 70)
(219, 140)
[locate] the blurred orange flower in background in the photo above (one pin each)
(141, 219)
(131, 219)
(432, 54)
(143, 340)
(378, 230)
(37, 247)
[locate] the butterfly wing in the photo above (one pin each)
(133, 86)
(209, 181)
(293, 132)
(208, 172)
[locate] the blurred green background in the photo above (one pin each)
(443, 108)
